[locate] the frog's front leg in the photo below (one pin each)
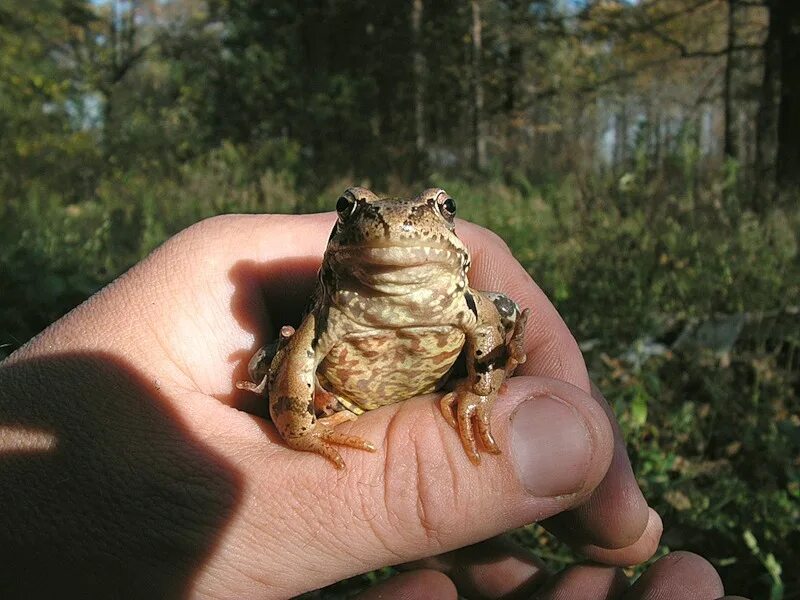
(493, 349)
(291, 400)
(258, 367)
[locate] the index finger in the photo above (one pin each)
(614, 525)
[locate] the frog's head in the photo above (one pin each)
(395, 232)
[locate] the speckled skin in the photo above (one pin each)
(392, 312)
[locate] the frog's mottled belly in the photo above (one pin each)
(386, 366)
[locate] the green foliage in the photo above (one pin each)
(40, 95)
(690, 308)
(49, 262)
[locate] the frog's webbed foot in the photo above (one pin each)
(321, 437)
(468, 413)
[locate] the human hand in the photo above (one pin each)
(126, 467)
(482, 571)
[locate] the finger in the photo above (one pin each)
(413, 585)
(678, 576)
(495, 568)
(637, 552)
(418, 494)
(588, 582)
(616, 514)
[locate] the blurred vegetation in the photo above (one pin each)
(603, 147)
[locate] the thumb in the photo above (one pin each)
(306, 524)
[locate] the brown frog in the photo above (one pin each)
(392, 312)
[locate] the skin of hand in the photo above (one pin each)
(677, 576)
(130, 464)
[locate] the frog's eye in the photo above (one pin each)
(345, 206)
(447, 206)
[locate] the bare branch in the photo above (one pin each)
(122, 68)
(684, 51)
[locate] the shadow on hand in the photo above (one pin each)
(267, 295)
(122, 501)
(279, 290)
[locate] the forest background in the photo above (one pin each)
(641, 159)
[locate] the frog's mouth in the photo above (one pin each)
(398, 256)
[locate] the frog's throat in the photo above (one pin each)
(425, 279)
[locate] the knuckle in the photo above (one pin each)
(422, 491)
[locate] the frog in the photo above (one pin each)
(392, 317)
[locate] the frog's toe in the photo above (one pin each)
(321, 438)
(467, 434)
(473, 423)
(253, 387)
(481, 421)
(352, 441)
(446, 406)
(315, 444)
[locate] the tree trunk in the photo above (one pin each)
(479, 136)
(514, 58)
(778, 120)
(419, 83)
(729, 143)
(767, 117)
(788, 157)
(621, 135)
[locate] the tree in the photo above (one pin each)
(478, 127)
(778, 121)
(729, 143)
(419, 81)
(786, 19)
(47, 138)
